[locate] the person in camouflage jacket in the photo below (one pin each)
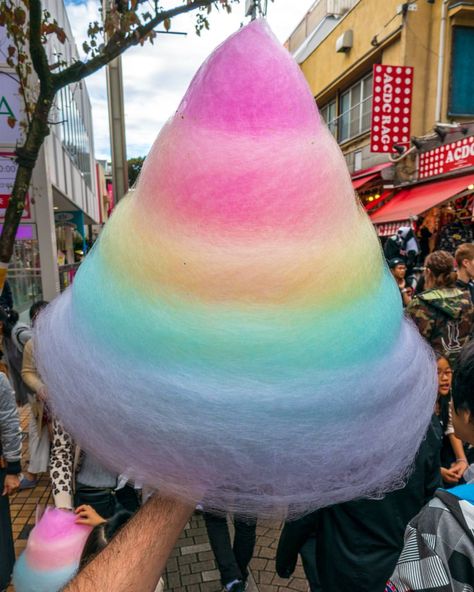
(443, 313)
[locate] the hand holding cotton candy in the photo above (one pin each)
(235, 333)
(52, 553)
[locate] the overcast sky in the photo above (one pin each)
(156, 76)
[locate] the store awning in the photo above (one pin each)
(356, 183)
(370, 171)
(376, 202)
(412, 202)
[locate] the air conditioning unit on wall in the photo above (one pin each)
(345, 42)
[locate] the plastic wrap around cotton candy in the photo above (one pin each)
(235, 335)
(52, 554)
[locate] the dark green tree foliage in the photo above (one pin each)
(134, 168)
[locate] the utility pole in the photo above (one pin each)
(117, 129)
(115, 101)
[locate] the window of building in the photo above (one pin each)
(74, 134)
(461, 97)
(329, 114)
(355, 108)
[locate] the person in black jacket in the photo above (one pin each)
(358, 543)
(6, 297)
(299, 537)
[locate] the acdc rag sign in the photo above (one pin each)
(391, 107)
(447, 158)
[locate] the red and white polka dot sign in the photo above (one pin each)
(447, 158)
(391, 107)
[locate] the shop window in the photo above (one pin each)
(461, 97)
(355, 108)
(328, 113)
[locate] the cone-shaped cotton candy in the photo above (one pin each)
(235, 335)
(52, 553)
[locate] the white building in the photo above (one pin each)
(63, 197)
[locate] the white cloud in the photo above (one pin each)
(156, 76)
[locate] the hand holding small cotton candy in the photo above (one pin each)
(52, 553)
(235, 333)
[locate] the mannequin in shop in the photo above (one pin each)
(403, 245)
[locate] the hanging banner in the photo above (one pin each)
(391, 108)
(8, 169)
(447, 158)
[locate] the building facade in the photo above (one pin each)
(389, 32)
(341, 43)
(63, 198)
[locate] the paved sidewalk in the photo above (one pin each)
(24, 503)
(191, 567)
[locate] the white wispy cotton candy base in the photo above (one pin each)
(241, 445)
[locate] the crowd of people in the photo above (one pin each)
(415, 538)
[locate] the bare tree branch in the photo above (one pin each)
(119, 43)
(37, 51)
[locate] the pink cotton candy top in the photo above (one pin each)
(278, 86)
(56, 541)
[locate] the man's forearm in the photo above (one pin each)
(135, 559)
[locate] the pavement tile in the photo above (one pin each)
(210, 586)
(209, 576)
(195, 548)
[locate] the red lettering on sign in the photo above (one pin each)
(447, 158)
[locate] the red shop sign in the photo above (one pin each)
(447, 158)
(8, 169)
(391, 107)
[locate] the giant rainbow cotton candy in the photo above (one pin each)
(52, 554)
(235, 335)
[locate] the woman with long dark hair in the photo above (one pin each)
(443, 313)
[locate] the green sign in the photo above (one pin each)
(5, 108)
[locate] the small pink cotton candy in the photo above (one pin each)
(56, 541)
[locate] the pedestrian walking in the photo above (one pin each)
(298, 537)
(10, 468)
(38, 431)
(358, 542)
(15, 336)
(232, 559)
(399, 269)
(78, 478)
(6, 297)
(443, 313)
(438, 554)
(465, 263)
(452, 450)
